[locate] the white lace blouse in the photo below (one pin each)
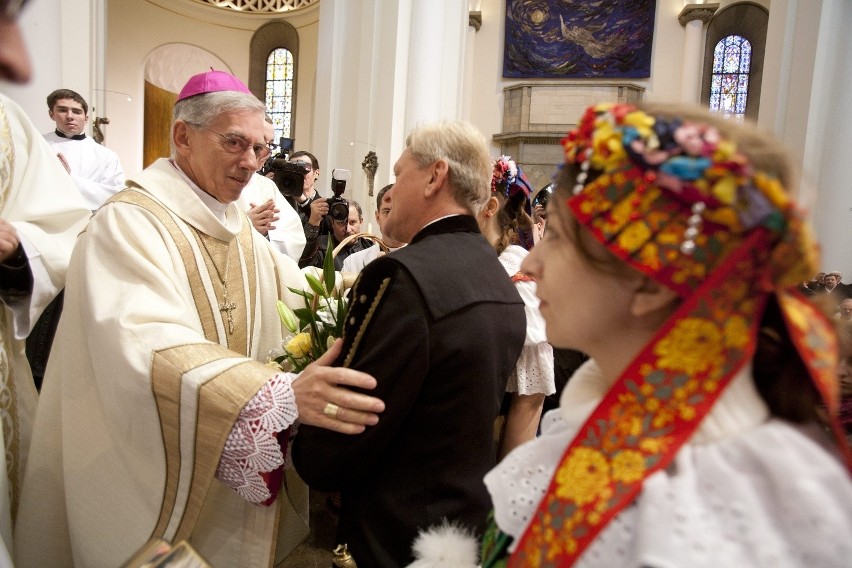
(747, 490)
(533, 373)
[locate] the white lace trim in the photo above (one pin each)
(252, 446)
(533, 373)
(743, 492)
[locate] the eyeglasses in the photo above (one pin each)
(11, 9)
(235, 144)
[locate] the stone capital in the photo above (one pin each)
(693, 12)
(474, 20)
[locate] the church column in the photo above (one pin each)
(435, 60)
(827, 174)
(382, 67)
(474, 22)
(692, 18)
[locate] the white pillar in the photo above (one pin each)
(382, 67)
(437, 34)
(825, 160)
(473, 24)
(692, 18)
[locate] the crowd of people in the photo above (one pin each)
(706, 426)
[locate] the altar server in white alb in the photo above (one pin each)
(269, 211)
(96, 169)
(158, 416)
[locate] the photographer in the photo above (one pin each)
(341, 227)
(309, 205)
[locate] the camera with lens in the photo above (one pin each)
(288, 176)
(543, 195)
(338, 208)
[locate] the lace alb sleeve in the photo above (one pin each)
(255, 446)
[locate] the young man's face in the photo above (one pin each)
(69, 116)
(384, 210)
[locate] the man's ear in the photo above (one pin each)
(650, 296)
(438, 173)
(180, 136)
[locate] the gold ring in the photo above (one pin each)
(331, 410)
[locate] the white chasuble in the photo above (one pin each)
(39, 199)
(168, 315)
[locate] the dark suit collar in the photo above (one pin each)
(451, 224)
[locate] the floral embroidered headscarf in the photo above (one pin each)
(678, 201)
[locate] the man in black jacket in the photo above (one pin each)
(440, 326)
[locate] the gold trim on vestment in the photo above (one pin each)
(205, 311)
(220, 401)
(246, 242)
(7, 157)
(8, 394)
(363, 329)
(217, 262)
(167, 369)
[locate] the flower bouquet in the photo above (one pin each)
(314, 328)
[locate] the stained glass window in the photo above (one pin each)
(279, 90)
(729, 80)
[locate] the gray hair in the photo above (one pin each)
(466, 152)
(202, 110)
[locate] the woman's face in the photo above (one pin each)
(583, 307)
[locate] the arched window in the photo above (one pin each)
(729, 80)
(274, 74)
(734, 51)
(279, 91)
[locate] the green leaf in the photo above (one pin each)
(305, 315)
(328, 266)
(315, 284)
(288, 318)
(298, 292)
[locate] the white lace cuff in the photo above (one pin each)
(533, 373)
(252, 447)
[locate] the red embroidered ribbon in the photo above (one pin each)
(650, 412)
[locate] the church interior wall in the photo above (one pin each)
(137, 27)
(804, 70)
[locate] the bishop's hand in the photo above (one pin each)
(8, 240)
(323, 399)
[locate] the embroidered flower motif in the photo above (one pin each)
(736, 332)
(583, 476)
(628, 465)
(634, 236)
(692, 346)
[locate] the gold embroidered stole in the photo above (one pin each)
(221, 397)
(8, 394)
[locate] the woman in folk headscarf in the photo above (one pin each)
(690, 438)
(505, 221)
